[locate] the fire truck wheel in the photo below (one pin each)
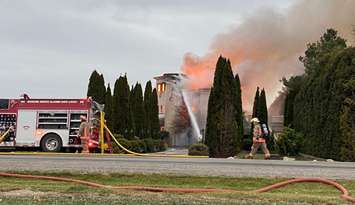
(51, 143)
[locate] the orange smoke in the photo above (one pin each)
(200, 71)
(266, 46)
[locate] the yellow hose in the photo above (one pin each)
(150, 155)
(3, 137)
(122, 147)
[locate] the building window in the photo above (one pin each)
(161, 87)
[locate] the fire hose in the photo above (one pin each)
(345, 193)
(143, 154)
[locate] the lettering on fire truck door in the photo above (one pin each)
(26, 127)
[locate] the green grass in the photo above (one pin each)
(49, 192)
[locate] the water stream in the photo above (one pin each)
(192, 116)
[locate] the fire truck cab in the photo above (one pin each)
(50, 124)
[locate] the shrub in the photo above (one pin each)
(289, 142)
(198, 149)
(124, 142)
(139, 146)
(151, 147)
(270, 142)
(154, 145)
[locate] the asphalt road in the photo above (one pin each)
(178, 166)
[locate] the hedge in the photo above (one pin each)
(198, 149)
(140, 146)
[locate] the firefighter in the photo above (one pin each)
(258, 140)
(84, 132)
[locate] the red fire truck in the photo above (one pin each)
(49, 124)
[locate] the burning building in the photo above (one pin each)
(182, 112)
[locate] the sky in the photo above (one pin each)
(48, 49)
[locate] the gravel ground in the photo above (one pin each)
(178, 166)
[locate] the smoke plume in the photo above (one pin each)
(266, 46)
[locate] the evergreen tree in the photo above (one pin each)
(108, 106)
(148, 98)
(222, 132)
(132, 104)
(239, 105)
(262, 108)
(320, 108)
(115, 108)
(131, 124)
(96, 87)
(122, 116)
(292, 86)
(138, 110)
(347, 119)
(211, 138)
(102, 89)
(256, 103)
(255, 109)
(155, 115)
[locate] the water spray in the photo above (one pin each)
(192, 116)
(179, 85)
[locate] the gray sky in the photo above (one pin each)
(49, 48)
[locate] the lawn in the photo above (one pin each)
(25, 191)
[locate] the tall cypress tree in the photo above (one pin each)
(92, 91)
(262, 108)
(148, 98)
(122, 116)
(155, 115)
(138, 110)
(115, 108)
(131, 125)
(132, 104)
(256, 103)
(239, 105)
(101, 89)
(211, 125)
(255, 108)
(222, 132)
(108, 106)
(96, 87)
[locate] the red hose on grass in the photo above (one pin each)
(345, 193)
(338, 186)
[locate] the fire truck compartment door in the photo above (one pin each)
(26, 127)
